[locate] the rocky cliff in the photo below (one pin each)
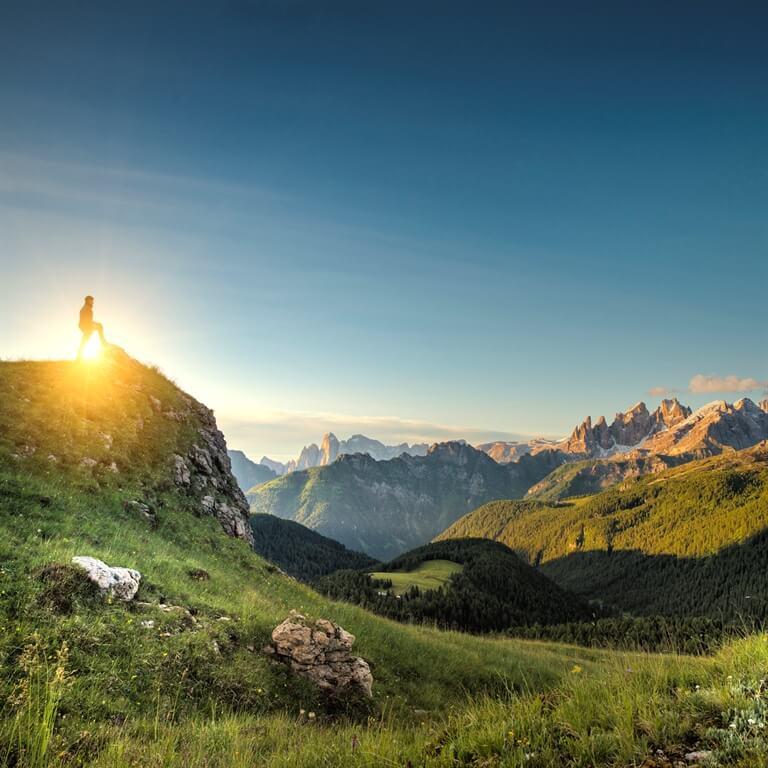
(627, 431)
(119, 424)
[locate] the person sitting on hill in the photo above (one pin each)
(88, 326)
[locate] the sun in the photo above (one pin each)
(92, 349)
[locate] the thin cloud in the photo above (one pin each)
(701, 384)
(282, 434)
(661, 391)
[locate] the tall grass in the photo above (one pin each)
(29, 716)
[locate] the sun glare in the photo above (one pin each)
(92, 349)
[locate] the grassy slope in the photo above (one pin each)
(132, 696)
(179, 669)
(428, 575)
(646, 544)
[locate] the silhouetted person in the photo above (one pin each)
(88, 326)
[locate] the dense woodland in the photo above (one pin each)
(690, 541)
(300, 552)
(494, 591)
(678, 634)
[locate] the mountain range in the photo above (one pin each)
(384, 508)
(639, 443)
(331, 448)
(248, 473)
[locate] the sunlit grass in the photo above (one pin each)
(430, 574)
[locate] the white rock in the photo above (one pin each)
(122, 583)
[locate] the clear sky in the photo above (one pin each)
(415, 220)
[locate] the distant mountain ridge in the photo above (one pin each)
(384, 508)
(247, 472)
(505, 452)
(639, 442)
(331, 448)
(629, 430)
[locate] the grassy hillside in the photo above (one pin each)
(301, 552)
(430, 574)
(189, 645)
(481, 586)
(84, 682)
(689, 540)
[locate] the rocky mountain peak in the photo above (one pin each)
(627, 431)
(456, 452)
(329, 449)
(712, 428)
(764, 405)
(672, 411)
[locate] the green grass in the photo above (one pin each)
(82, 682)
(431, 574)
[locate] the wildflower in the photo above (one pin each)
(576, 669)
(311, 715)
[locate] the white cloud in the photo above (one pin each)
(708, 384)
(660, 391)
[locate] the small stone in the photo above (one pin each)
(699, 756)
(148, 623)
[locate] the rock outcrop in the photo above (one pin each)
(120, 583)
(627, 431)
(321, 651)
(206, 471)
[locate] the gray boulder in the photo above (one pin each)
(121, 583)
(321, 651)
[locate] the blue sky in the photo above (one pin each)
(417, 220)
